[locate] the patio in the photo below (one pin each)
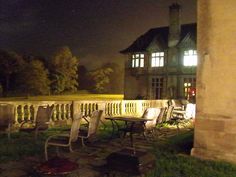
(22, 153)
(171, 148)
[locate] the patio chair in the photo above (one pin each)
(169, 114)
(91, 130)
(7, 115)
(43, 116)
(65, 139)
(149, 126)
(161, 117)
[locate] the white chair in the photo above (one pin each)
(65, 139)
(92, 128)
(43, 116)
(7, 115)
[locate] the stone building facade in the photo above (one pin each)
(162, 62)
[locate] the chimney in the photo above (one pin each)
(174, 24)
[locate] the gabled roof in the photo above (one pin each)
(160, 34)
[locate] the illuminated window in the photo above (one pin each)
(189, 87)
(137, 60)
(157, 87)
(190, 58)
(157, 59)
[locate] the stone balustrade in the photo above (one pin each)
(64, 110)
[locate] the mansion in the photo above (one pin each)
(161, 63)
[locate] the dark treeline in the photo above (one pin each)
(22, 75)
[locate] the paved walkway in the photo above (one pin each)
(88, 157)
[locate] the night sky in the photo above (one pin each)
(95, 30)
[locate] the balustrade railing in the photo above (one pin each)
(64, 110)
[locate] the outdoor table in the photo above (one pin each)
(127, 120)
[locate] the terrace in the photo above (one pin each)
(170, 146)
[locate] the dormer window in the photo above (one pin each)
(190, 58)
(138, 60)
(157, 59)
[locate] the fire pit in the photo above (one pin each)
(57, 167)
(130, 162)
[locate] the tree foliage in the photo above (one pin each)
(101, 79)
(10, 63)
(116, 84)
(85, 80)
(63, 67)
(33, 80)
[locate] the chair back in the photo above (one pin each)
(161, 116)
(43, 116)
(74, 131)
(7, 115)
(151, 113)
(169, 113)
(94, 122)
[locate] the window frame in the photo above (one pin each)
(157, 59)
(190, 58)
(189, 83)
(157, 85)
(137, 60)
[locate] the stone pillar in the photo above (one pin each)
(215, 128)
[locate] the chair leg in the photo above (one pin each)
(9, 132)
(82, 141)
(70, 147)
(46, 151)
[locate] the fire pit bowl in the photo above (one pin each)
(57, 167)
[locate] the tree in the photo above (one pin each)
(10, 63)
(33, 79)
(84, 79)
(116, 84)
(64, 71)
(101, 79)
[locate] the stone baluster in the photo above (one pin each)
(54, 114)
(69, 111)
(16, 115)
(116, 108)
(64, 112)
(111, 109)
(22, 113)
(28, 112)
(59, 112)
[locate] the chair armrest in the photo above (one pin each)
(25, 122)
(57, 136)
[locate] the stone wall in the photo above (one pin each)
(215, 131)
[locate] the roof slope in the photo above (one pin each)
(161, 34)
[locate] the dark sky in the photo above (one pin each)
(95, 30)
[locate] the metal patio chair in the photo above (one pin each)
(91, 130)
(65, 139)
(7, 115)
(43, 116)
(144, 127)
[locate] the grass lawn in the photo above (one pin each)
(82, 96)
(172, 155)
(173, 160)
